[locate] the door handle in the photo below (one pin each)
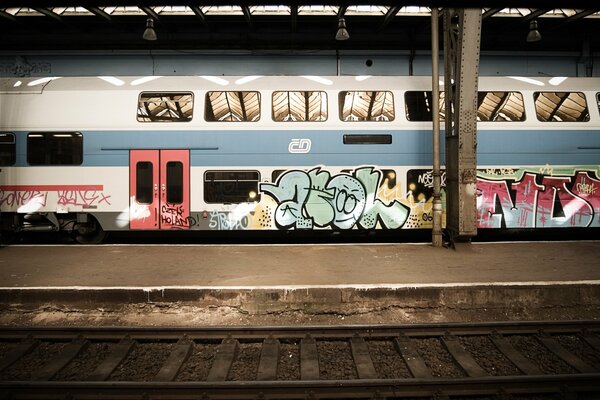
(156, 187)
(163, 187)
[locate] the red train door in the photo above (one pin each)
(159, 189)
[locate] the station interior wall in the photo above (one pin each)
(255, 63)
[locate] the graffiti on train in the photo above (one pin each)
(30, 198)
(533, 199)
(307, 200)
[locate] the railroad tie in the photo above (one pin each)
(309, 359)
(519, 360)
(362, 358)
(226, 353)
(411, 356)
(565, 355)
(463, 357)
(26, 346)
(269, 359)
(118, 353)
(178, 356)
(70, 351)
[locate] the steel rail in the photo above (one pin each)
(317, 388)
(297, 332)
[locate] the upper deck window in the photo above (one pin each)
(8, 150)
(491, 106)
(55, 148)
(561, 107)
(232, 106)
(299, 106)
(366, 106)
(165, 107)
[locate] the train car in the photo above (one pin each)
(90, 155)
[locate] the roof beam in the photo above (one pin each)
(8, 16)
(342, 11)
(200, 14)
(490, 12)
(50, 14)
(294, 14)
(580, 15)
(535, 14)
(150, 12)
(248, 16)
(389, 16)
(99, 13)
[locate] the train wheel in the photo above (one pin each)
(90, 233)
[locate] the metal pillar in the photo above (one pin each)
(462, 32)
(436, 234)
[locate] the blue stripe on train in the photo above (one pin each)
(270, 148)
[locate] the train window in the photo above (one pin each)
(55, 148)
(232, 106)
(500, 106)
(598, 100)
(419, 105)
(144, 181)
(231, 186)
(366, 106)
(8, 150)
(174, 182)
(165, 107)
(299, 106)
(561, 107)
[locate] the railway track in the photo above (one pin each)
(441, 361)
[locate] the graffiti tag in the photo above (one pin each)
(343, 201)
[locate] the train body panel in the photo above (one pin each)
(152, 153)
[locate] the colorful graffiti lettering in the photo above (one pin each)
(539, 200)
(175, 216)
(226, 221)
(316, 199)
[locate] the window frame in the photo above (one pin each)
(220, 200)
(12, 151)
(288, 92)
(49, 146)
(208, 103)
(341, 102)
(160, 95)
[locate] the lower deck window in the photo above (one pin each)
(231, 186)
(8, 151)
(55, 148)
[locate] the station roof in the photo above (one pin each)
(201, 25)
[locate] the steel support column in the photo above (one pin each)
(462, 32)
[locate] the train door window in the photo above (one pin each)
(500, 106)
(299, 106)
(165, 107)
(8, 150)
(561, 107)
(55, 148)
(366, 106)
(231, 186)
(232, 106)
(144, 182)
(174, 182)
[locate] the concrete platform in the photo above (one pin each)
(312, 279)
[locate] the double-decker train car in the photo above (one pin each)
(95, 154)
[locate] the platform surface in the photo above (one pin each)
(297, 266)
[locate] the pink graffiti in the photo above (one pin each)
(551, 204)
(17, 198)
(84, 198)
